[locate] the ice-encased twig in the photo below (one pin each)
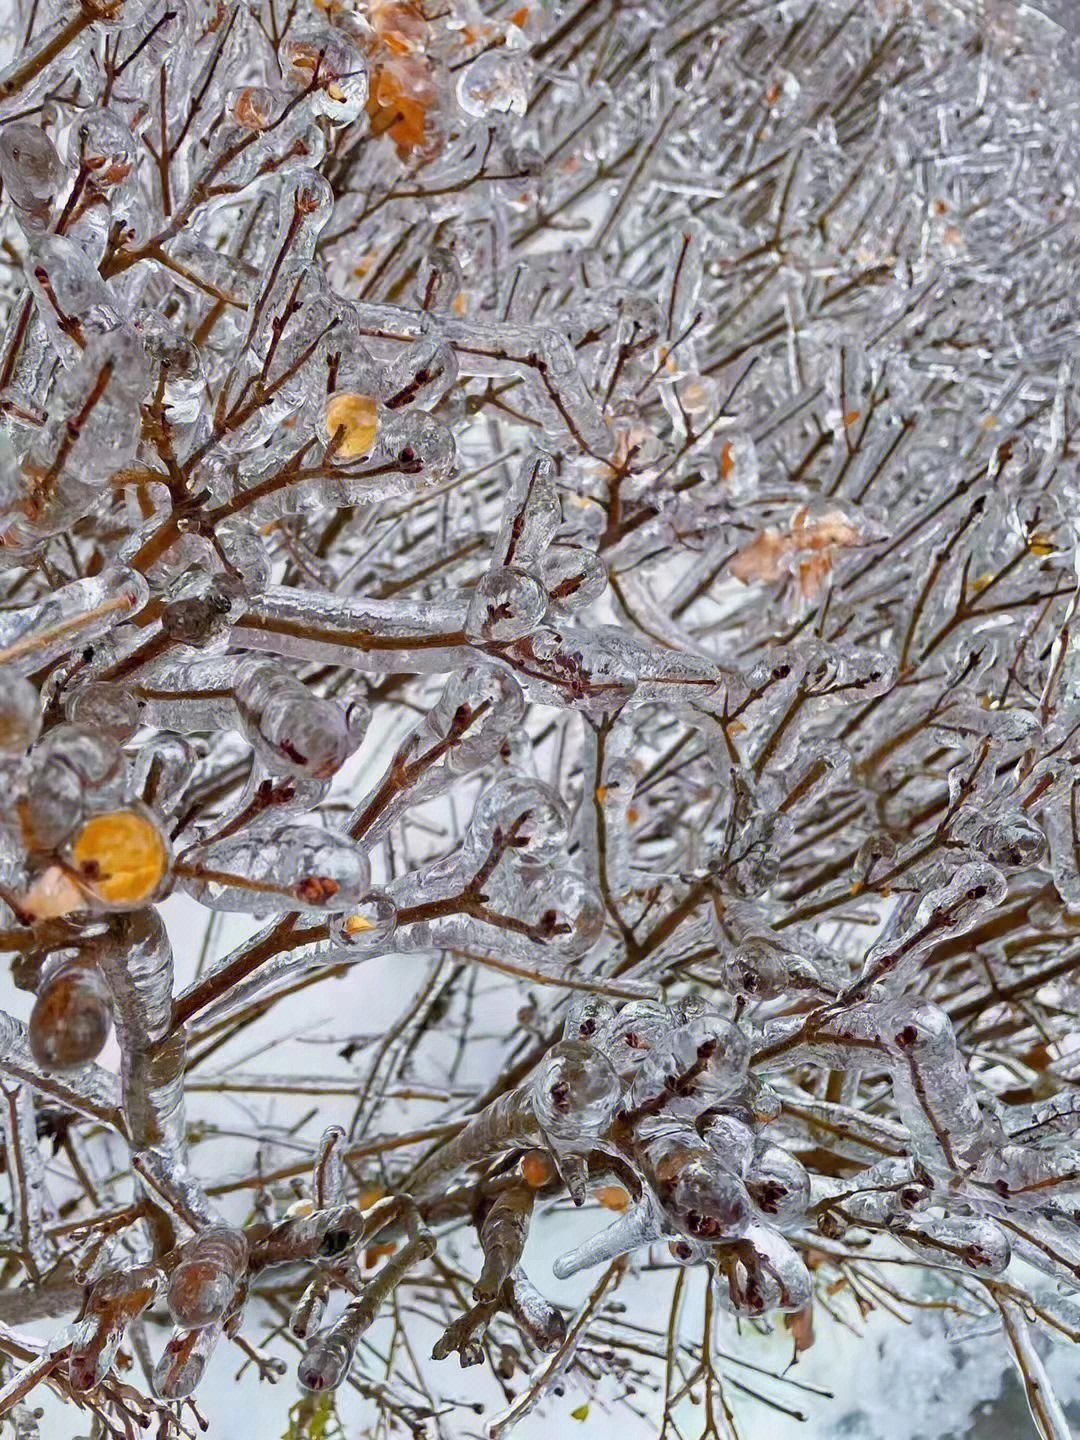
(1045, 1407)
(329, 1353)
(25, 1165)
(565, 1105)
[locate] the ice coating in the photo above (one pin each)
(296, 867)
(575, 1092)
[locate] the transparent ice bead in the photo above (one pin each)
(971, 1241)
(72, 1014)
(769, 1274)
(105, 707)
(721, 1050)
(732, 1141)
(326, 59)
(505, 605)
(245, 550)
(71, 760)
(371, 923)
(495, 83)
(100, 141)
(162, 770)
(526, 809)
(196, 607)
(421, 445)
(294, 729)
(530, 516)
(53, 804)
(178, 1372)
(575, 1092)
(20, 715)
(587, 1016)
(205, 1278)
(298, 866)
(639, 1029)
(75, 285)
(972, 891)
(778, 1185)
(31, 170)
(566, 911)
(325, 1361)
(703, 1061)
(490, 701)
(706, 1202)
(573, 578)
(421, 377)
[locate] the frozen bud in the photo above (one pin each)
(482, 705)
(195, 609)
(767, 1273)
(573, 578)
(717, 1050)
(565, 911)
(505, 605)
(309, 1309)
(530, 516)
(325, 1361)
(703, 1061)
(973, 1242)
(638, 1030)
(440, 279)
(92, 1358)
(706, 1202)
(251, 107)
(72, 1015)
(875, 856)
(350, 424)
(20, 715)
(778, 1185)
(102, 144)
(296, 731)
(181, 1367)
(372, 922)
(530, 818)
(121, 857)
(310, 199)
(205, 1278)
(575, 1092)
(420, 445)
(333, 68)
(587, 1016)
(495, 83)
(296, 866)
(31, 170)
(973, 891)
(420, 377)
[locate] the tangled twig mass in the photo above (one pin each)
(556, 523)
